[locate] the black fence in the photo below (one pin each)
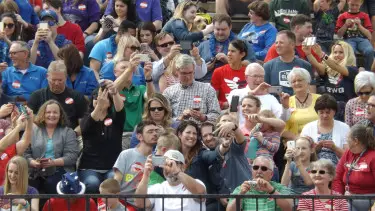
(365, 198)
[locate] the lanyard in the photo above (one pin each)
(352, 166)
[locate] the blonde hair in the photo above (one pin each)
(171, 69)
(168, 140)
(180, 10)
(124, 42)
(23, 176)
(349, 59)
(57, 66)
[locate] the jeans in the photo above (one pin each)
(359, 205)
(93, 179)
(364, 46)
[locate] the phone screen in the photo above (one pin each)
(275, 89)
(1, 26)
(234, 103)
(158, 160)
(186, 45)
(43, 25)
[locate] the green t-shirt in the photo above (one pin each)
(133, 106)
(282, 12)
(155, 178)
(264, 204)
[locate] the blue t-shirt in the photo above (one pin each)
(50, 152)
(85, 81)
(107, 73)
(297, 184)
(27, 12)
(262, 37)
(104, 50)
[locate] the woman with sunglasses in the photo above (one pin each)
(337, 70)
(322, 173)
(364, 86)
(182, 22)
(355, 173)
(11, 32)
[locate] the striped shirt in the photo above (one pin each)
(338, 204)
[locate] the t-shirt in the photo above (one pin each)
(325, 24)
(9, 152)
(58, 204)
(297, 184)
(307, 204)
(155, 178)
(82, 13)
(272, 53)
(276, 72)
(5, 206)
(104, 50)
(130, 163)
(174, 204)
(238, 7)
(134, 101)
(50, 153)
(353, 31)
(73, 33)
(225, 79)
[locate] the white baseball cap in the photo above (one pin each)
(175, 155)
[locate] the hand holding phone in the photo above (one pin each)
(275, 90)
(186, 45)
(234, 103)
(290, 144)
(43, 25)
(144, 58)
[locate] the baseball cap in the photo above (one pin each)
(70, 184)
(175, 155)
(50, 14)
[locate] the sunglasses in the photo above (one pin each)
(263, 168)
(164, 45)
(156, 108)
(135, 48)
(8, 25)
(321, 172)
(363, 93)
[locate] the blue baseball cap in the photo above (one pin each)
(49, 13)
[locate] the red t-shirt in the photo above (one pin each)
(4, 158)
(271, 54)
(361, 180)
(225, 79)
(353, 31)
(73, 33)
(62, 205)
(338, 204)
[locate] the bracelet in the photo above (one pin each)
(273, 191)
(149, 80)
(324, 54)
(86, 33)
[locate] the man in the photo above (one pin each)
(262, 173)
(105, 50)
(178, 182)
(45, 46)
(73, 102)
(71, 31)
(301, 26)
(23, 78)
(233, 7)
(214, 50)
(130, 164)
(370, 114)
(190, 98)
(277, 70)
(167, 48)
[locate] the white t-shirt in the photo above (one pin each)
(174, 204)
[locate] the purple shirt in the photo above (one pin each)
(146, 10)
(84, 13)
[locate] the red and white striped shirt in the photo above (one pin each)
(307, 204)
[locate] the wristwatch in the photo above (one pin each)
(325, 58)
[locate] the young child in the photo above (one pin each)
(108, 187)
(355, 26)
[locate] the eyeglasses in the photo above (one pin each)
(8, 25)
(186, 73)
(321, 172)
(263, 168)
(363, 93)
(164, 45)
(156, 108)
(134, 48)
(370, 105)
(15, 52)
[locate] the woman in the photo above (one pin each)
(146, 34)
(10, 33)
(259, 32)
(181, 23)
(158, 110)
(328, 134)
(364, 86)
(126, 47)
(322, 174)
(170, 76)
(54, 148)
(231, 74)
(80, 77)
(338, 71)
(296, 174)
(102, 137)
(355, 172)
(16, 183)
(301, 103)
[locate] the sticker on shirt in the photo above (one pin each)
(38, 53)
(123, 98)
(109, 57)
(16, 84)
(360, 112)
(143, 5)
(197, 99)
(287, 20)
(4, 156)
(69, 101)
(283, 78)
(82, 7)
(108, 122)
(1, 131)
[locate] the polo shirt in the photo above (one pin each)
(85, 81)
(104, 50)
(17, 84)
(133, 106)
(73, 103)
(106, 72)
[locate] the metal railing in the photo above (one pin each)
(87, 197)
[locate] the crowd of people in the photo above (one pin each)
(121, 97)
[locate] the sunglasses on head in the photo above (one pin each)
(321, 172)
(164, 45)
(8, 25)
(135, 48)
(263, 168)
(363, 93)
(156, 108)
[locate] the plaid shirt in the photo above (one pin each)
(181, 98)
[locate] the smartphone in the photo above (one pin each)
(44, 160)
(108, 22)
(275, 89)
(144, 47)
(234, 103)
(43, 25)
(101, 83)
(23, 110)
(186, 45)
(1, 26)
(158, 160)
(310, 41)
(144, 57)
(290, 144)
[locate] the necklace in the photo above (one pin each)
(303, 103)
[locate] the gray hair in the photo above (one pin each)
(23, 46)
(184, 60)
(364, 78)
(57, 66)
(301, 72)
(252, 66)
(324, 163)
(266, 158)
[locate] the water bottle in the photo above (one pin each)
(253, 148)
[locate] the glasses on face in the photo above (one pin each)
(256, 76)
(164, 45)
(363, 93)
(263, 168)
(14, 52)
(8, 25)
(321, 172)
(370, 105)
(156, 108)
(134, 48)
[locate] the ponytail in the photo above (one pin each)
(365, 135)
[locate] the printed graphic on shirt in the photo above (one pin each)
(16, 84)
(285, 12)
(235, 83)
(253, 37)
(360, 112)
(361, 166)
(353, 30)
(135, 174)
(283, 78)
